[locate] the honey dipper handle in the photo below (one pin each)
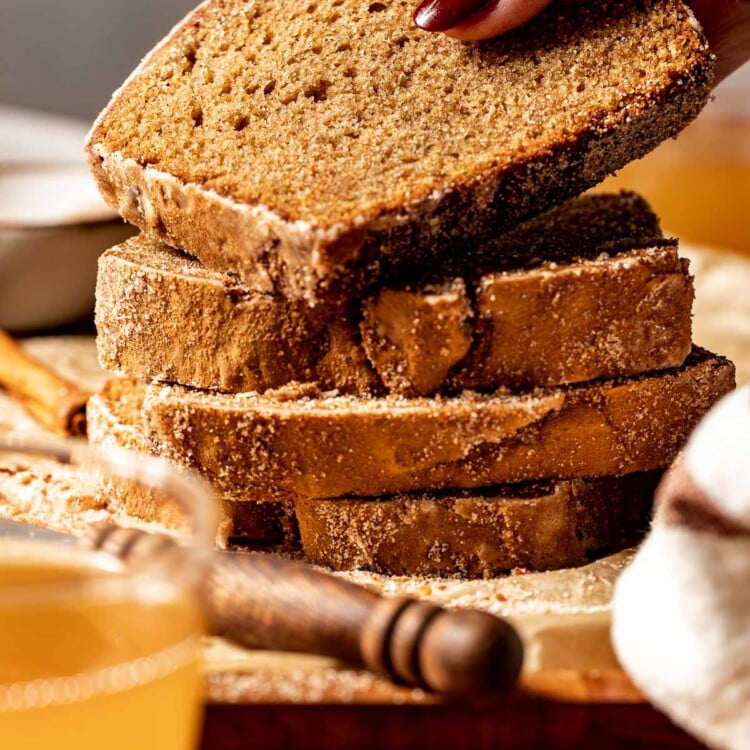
(265, 601)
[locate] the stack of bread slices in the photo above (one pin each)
(366, 304)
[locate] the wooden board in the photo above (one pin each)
(517, 722)
(292, 701)
(572, 694)
(287, 700)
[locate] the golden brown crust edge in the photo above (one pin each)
(161, 317)
(479, 534)
(596, 318)
(114, 419)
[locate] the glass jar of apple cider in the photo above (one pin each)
(98, 654)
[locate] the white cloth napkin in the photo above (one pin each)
(682, 609)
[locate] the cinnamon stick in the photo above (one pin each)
(52, 400)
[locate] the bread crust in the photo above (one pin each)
(612, 299)
(297, 442)
(114, 418)
(161, 316)
(325, 262)
(594, 318)
(480, 533)
(470, 534)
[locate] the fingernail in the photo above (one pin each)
(439, 15)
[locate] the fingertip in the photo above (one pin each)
(496, 18)
(441, 15)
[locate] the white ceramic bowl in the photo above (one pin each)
(47, 275)
(53, 223)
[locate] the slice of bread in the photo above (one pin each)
(480, 533)
(613, 300)
(161, 316)
(117, 420)
(316, 149)
(299, 442)
(601, 318)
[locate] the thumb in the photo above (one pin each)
(476, 19)
(726, 24)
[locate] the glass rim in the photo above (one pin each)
(108, 581)
(104, 580)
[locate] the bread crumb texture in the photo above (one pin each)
(330, 110)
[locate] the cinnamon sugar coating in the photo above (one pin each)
(480, 533)
(299, 442)
(115, 418)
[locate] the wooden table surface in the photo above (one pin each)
(308, 702)
(513, 722)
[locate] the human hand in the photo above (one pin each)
(726, 23)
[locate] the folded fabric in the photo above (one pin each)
(682, 609)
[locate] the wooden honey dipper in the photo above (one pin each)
(264, 601)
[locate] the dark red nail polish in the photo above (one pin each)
(439, 15)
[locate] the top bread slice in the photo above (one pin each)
(318, 148)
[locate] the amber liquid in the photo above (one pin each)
(706, 205)
(699, 184)
(86, 667)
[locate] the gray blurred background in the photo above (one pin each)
(67, 56)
